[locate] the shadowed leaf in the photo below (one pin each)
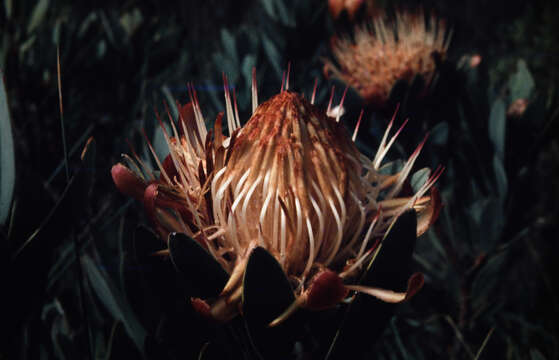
(500, 177)
(398, 93)
(419, 178)
(154, 350)
(7, 158)
(367, 316)
(439, 134)
(416, 88)
(197, 265)
(148, 277)
(38, 15)
(266, 295)
(497, 127)
(113, 301)
(521, 83)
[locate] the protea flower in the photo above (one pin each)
(381, 53)
(290, 180)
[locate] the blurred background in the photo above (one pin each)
(489, 261)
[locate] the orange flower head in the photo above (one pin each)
(382, 53)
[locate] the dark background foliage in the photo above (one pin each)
(489, 262)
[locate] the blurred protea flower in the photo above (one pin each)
(381, 53)
(517, 108)
(290, 180)
(350, 6)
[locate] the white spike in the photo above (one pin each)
(339, 233)
(314, 91)
(357, 232)
(287, 79)
(406, 170)
(249, 195)
(283, 237)
(312, 249)
(320, 214)
(383, 149)
(241, 182)
(228, 106)
(357, 126)
(254, 91)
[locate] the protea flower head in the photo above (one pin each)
(290, 180)
(381, 53)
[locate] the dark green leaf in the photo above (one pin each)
(214, 351)
(497, 127)
(113, 301)
(8, 6)
(500, 176)
(272, 53)
(266, 295)
(7, 159)
(88, 166)
(391, 167)
(38, 15)
(398, 92)
(439, 134)
(148, 277)
(54, 220)
(419, 178)
(266, 290)
(491, 225)
(367, 316)
(229, 45)
(154, 350)
(33, 258)
(197, 265)
(130, 21)
(165, 307)
(485, 281)
(78, 145)
(521, 83)
(160, 143)
(146, 243)
(476, 210)
(284, 15)
(536, 355)
(417, 86)
(268, 6)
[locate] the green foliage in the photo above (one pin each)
(367, 316)
(488, 262)
(267, 294)
(7, 158)
(521, 83)
(190, 258)
(113, 301)
(497, 126)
